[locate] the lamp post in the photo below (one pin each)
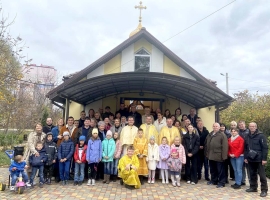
(227, 82)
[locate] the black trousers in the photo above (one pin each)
(256, 168)
(92, 170)
(48, 171)
(56, 170)
(100, 171)
(228, 167)
(191, 169)
(217, 172)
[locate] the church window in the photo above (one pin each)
(142, 61)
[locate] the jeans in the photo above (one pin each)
(203, 162)
(191, 169)
(115, 166)
(64, 170)
(256, 168)
(79, 172)
(40, 173)
(217, 172)
(237, 164)
(14, 177)
(108, 168)
(244, 174)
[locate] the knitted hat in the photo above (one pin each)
(109, 133)
(174, 151)
(95, 130)
(66, 133)
(82, 138)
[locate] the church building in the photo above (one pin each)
(140, 69)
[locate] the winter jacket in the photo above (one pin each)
(73, 134)
(66, 150)
(37, 161)
(83, 130)
(181, 151)
(118, 149)
(243, 133)
(94, 150)
(19, 166)
(216, 147)
(256, 142)
(153, 152)
(51, 151)
(100, 135)
(191, 144)
(164, 151)
(174, 164)
(193, 120)
(47, 129)
(55, 132)
(203, 134)
(236, 147)
(116, 129)
(78, 148)
(108, 149)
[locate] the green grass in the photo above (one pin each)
(4, 160)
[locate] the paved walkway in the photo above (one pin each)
(116, 191)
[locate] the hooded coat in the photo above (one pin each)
(51, 151)
(94, 150)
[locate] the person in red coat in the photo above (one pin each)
(80, 160)
(236, 154)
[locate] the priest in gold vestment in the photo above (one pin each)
(127, 169)
(141, 146)
(128, 134)
(169, 131)
(149, 129)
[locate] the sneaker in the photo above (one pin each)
(167, 182)
(28, 184)
(89, 182)
(233, 185)
(251, 190)
(80, 183)
(12, 188)
(243, 183)
(75, 183)
(188, 182)
(149, 181)
(153, 181)
(163, 182)
(220, 186)
(66, 182)
(41, 185)
(211, 183)
(192, 183)
(263, 194)
(93, 182)
(237, 187)
(178, 184)
(63, 183)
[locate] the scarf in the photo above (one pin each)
(234, 137)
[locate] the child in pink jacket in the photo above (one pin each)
(117, 154)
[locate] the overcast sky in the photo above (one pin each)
(70, 35)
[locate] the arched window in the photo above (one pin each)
(142, 61)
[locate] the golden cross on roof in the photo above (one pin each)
(140, 7)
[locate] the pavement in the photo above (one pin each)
(115, 191)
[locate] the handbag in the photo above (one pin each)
(252, 154)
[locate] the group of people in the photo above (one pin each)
(134, 147)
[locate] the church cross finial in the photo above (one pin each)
(140, 7)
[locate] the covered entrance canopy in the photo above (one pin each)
(194, 93)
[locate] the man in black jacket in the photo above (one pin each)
(202, 160)
(49, 125)
(256, 151)
(137, 116)
(193, 117)
(243, 132)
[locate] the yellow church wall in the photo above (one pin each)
(208, 116)
(142, 43)
(113, 65)
(169, 67)
(75, 109)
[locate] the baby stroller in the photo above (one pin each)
(20, 185)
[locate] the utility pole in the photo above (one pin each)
(227, 82)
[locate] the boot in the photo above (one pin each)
(178, 181)
(108, 179)
(105, 178)
(173, 180)
(49, 181)
(114, 178)
(141, 180)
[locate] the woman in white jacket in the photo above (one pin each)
(152, 159)
(160, 122)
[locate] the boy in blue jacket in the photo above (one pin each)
(65, 153)
(37, 163)
(17, 167)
